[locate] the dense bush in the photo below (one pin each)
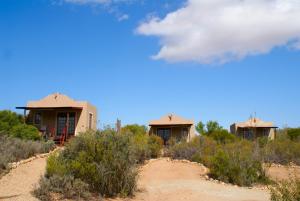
(146, 147)
(222, 136)
(13, 125)
(140, 147)
(134, 129)
(67, 186)
(294, 134)
(14, 149)
(106, 162)
(9, 119)
(26, 132)
(282, 151)
(286, 191)
(182, 150)
(155, 144)
(213, 130)
(237, 162)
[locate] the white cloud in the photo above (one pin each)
(209, 31)
(123, 17)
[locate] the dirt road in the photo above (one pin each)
(17, 185)
(164, 180)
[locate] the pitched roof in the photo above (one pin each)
(171, 119)
(255, 122)
(55, 100)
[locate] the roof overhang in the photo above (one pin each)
(49, 108)
(257, 127)
(170, 124)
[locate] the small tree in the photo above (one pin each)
(9, 119)
(200, 127)
(134, 129)
(213, 126)
(213, 130)
(293, 133)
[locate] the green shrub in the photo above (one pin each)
(134, 129)
(26, 132)
(294, 134)
(282, 151)
(13, 125)
(155, 144)
(222, 136)
(207, 148)
(67, 186)
(14, 149)
(106, 162)
(238, 163)
(182, 150)
(9, 119)
(286, 191)
(140, 147)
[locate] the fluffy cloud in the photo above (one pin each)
(210, 31)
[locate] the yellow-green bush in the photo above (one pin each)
(155, 144)
(286, 191)
(282, 151)
(237, 162)
(25, 132)
(105, 162)
(12, 124)
(67, 186)
(14, 149)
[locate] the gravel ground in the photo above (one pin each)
(165, 180)
(159, 180)
(18, 184)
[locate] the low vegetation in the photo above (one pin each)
(286, 191)
(12, 124)
(14, 149)
(103, 163)
(234, 160)
(282, 151)
(18, 141)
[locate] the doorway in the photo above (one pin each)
(164, 133)
(66, 123)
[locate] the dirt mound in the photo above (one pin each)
(166, 180)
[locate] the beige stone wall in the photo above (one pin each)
(192, 133)
(83, 122)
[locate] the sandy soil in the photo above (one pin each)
(278, 173)
(159, 180)
(164, 180)
(17, 185)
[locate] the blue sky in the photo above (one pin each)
(102, 52)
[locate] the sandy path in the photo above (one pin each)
(17, 185)
(283, 172)
(164, 180)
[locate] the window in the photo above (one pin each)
(164, 133)
(72, 122)
(37, 118)
(185, 132)
(90, 120)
